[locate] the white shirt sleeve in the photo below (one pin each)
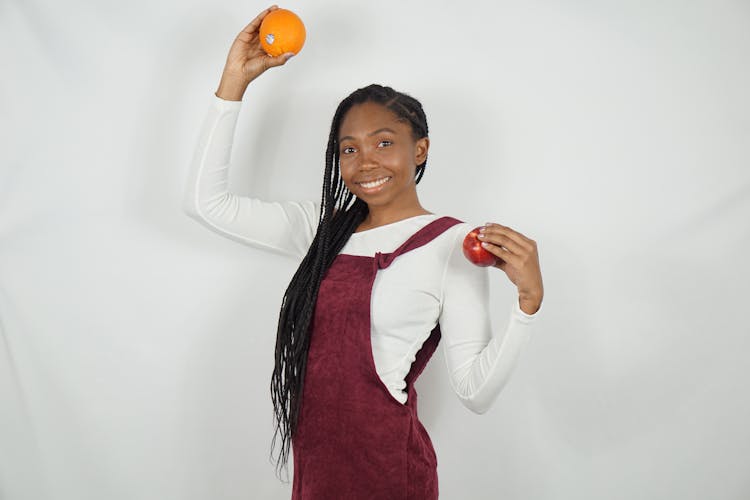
(286, 227)
(479, 361)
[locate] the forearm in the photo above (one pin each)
(208, 173)
(483, 368)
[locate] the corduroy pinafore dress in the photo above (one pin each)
(354, 440)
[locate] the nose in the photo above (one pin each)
(366, 160)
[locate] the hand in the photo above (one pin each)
(519, 260)
(247, 60)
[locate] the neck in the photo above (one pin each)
(380, 216)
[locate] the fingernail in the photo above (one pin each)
(485, 244)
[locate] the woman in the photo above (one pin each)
(381, 281)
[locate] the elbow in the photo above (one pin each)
(476, 405)
(192, 213)
(189, 210)
(189, 206)
(477, 399)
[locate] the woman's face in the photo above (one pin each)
(378, 156)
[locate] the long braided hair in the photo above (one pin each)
(340, 214)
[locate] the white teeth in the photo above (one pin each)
(370, 185)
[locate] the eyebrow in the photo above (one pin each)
(384, 129)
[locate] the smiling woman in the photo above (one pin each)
(379, 154)
(381, 280)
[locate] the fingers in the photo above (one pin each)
(507, 230)
(254, 25)
(507, 244)
(504, 255)
(278, 60)
(505, 237)
(521, 259)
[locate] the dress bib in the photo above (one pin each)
(354, 440)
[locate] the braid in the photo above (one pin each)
(340, 215)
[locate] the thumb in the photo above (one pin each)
(279, 60)
(501, 264)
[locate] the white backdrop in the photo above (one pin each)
(136, 346)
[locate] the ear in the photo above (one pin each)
(420, 150)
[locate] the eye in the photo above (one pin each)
(346, 149)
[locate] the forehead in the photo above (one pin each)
(368, 117)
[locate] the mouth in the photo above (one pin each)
(373, 185)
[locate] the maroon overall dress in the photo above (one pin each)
(354, 440)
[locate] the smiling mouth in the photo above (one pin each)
(375, 183)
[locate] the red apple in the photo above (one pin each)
(475, 252)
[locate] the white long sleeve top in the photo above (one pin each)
(430, 284)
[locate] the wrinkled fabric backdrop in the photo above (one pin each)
(137, 345)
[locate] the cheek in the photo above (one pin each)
(346, 172)
(395, 160)
(344, 169)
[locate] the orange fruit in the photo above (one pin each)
(282, 31)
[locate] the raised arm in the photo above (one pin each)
(480, 361)
(282, 227)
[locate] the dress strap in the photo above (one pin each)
(418, 239)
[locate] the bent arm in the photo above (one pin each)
(480, 361)
(286, 227)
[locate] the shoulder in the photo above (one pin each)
(449, 243)
(456, 229)
(452, 241)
